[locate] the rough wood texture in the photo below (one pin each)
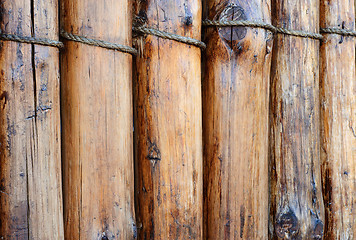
(297, 210)
(30, 165)
(97, 122)
(168, 126)
(338, 120)
(235, 122)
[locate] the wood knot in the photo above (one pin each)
(287, 226)
(154, 154)
(318, 230)
(104, 237)
(188, 20)
(4, 97)
(230, 35)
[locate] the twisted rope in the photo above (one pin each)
(270, 27)
(31, 40)
(170, 36)
(340, 31)
(98, 43)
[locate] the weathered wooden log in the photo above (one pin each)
(30, 163)
(235, 122)
(168, 124)
(338, 120)
(297, 210)
(97, 122)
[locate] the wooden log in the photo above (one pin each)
(235, 122)
(97, 122)
(30, 163)
(297, 210)
(16, 130)
(338, 120)
(168, 126)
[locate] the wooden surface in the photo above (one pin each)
(97, 122)
(235, 122)
(338, 120)
(297, 210)
(168, 126)
(30, 170)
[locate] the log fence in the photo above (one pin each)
(194, 119)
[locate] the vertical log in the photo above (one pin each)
(17, 104)
(97, 122)
(338, 120)
(44, 175)
(296, 201)
(235, 122)
(30, 166)
(168, 126)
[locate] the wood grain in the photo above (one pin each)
(30, 169)
(168, 126)
(297, 210)
(338, 120)
(235, 122)
(97, 122)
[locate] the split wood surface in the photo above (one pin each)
(235, 122)
(338, 120)
(168, 126)
(97, 122)
(296, 206)
(30, 159)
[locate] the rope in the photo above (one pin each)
(31, 40)
(267, 26)
(340, 31)
(170, 36)
(98, 43)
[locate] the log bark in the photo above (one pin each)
(338, 120)
(235, 122)
(168, 125)
(297, 210)
(30, 159)
(97, 122)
